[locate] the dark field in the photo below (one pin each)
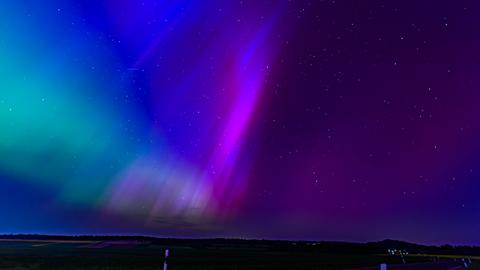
(25, 255)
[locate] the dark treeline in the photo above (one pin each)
(274, 245)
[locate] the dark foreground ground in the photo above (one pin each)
(117, 255)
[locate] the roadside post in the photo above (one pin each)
(165, 264)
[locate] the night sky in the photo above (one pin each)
(316, 120)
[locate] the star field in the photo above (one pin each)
(332, 120)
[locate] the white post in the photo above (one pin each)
(165, 265)
(383, 266)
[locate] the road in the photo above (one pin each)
(421, 266)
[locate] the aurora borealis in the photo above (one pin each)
(319, 120)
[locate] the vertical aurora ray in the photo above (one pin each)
(181, 189)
